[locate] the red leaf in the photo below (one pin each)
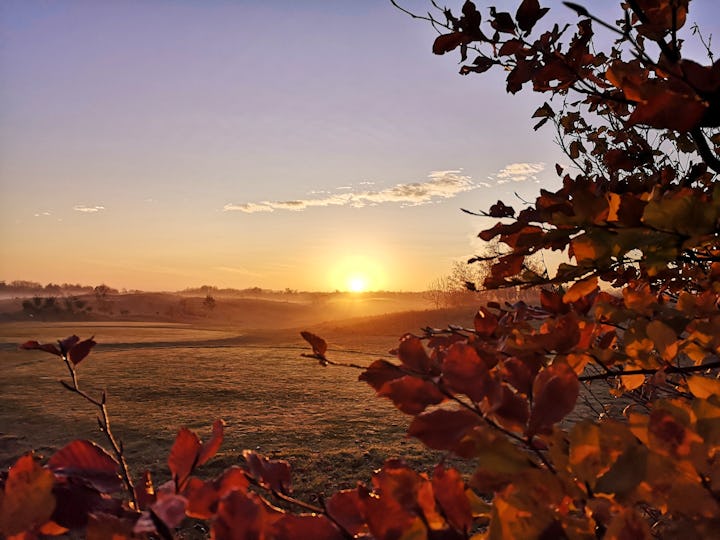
(68, 343)
(449, 490)
(411, 395)
(183, 456)
(448, 42)
(508, 265)
(380, 372)
(80, 350)
(242, 515)
(87, 460)
(509, 408)
(443, 429)
(344, 508)
(386, 519)
(464, 372)
(210, 448)
(555, 392)
(412, 354)
(47, 347)
(318, 344)
(145, 491)
(313, 526)
(485, 322)
(271, 474)
(203, 497)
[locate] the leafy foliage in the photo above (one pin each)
(635, 308)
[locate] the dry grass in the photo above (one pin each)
(331, 427)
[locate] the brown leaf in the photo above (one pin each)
(412, 354)
(555, 392)
(272, 474)
(528, 14)
(318, 344)
(448, 42)
(317, 527)
(380, 372)
(485, 322)
(581, 289)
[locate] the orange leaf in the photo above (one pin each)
(581, 289)
(28, 501)
(703, 387)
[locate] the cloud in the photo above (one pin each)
(41, 214)
(88, 209)
(440, 185)
(519, 172)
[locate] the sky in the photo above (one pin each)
(314, 145)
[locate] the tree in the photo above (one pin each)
(640, 211)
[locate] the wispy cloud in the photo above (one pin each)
(42, 214)
(440, 185)
(519, 172)
(88, 209)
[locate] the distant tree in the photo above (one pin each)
(209, 303)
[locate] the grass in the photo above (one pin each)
(159, 377)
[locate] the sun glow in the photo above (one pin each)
(356, 273)
(357, 283)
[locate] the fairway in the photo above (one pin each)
(330, 426)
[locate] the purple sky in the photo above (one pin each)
(165, 144)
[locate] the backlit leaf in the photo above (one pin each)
(412, 354)
(381, 372)
(210, 448)
(344, 508)
(555, 392)
(703, 387)
(47, 347)
(448, 42)
(449, 489)
(464, 372)
(28, 501)
(183, 456)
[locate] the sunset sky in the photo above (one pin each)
(163, 144)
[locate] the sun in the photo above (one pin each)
(357, 283)
(356, 273)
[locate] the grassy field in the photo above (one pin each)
(160, 377)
